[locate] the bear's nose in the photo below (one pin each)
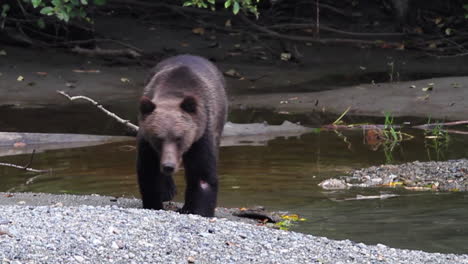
(168, 168)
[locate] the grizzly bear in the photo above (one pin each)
(182, 115)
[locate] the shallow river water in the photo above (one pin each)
(282, 175)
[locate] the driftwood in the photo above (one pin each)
(264, 129)
(431, 126)
(257, 214)
(380, 127)
(231, 130)
(27, 142)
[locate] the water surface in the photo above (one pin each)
(283, 175)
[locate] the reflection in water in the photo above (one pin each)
(283, 175)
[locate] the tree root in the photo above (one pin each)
(273, 34)
(333, 30)
(106, 52)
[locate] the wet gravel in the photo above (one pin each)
(449, 175)
(111, 234)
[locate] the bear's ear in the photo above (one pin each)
(146, 105)
(189, 104)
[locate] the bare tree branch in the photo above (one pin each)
(31, 159)
(127, 123)
(21, 167)
(25, 167)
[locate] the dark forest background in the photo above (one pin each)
(433, 26)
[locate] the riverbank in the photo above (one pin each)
(68, 200)
(112, 234)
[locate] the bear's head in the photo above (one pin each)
(171, 127)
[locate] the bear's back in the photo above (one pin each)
(185, 70)
(199, 66)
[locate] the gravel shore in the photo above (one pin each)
(449, 175)
(45, 228)
(111, 234)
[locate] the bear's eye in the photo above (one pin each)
(146, 106)
(178, 139)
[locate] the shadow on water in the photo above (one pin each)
(70, 118)
(283, 175)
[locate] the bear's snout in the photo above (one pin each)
(169, 158)
(168, 168)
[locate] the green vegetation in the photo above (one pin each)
(438, 29)
(338, 121)
(235, 5)
(63, 10)
(391, 137)
(289, 221)
(57, 23)
(436, 140)
(389, 132)
(66, 10)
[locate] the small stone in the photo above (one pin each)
(112, 230)
(114, 245)
(333, 184)
(79, 258)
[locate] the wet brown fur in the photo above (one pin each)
(182, 114)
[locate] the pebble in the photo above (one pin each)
(83, 234)
(449, 175)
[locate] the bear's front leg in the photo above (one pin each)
(154, 186)
(201, 177)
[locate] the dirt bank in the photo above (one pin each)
(326, 78)
(448, 99)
